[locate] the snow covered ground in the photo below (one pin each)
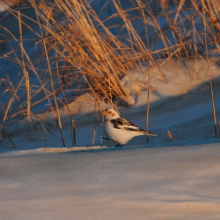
(142, 180)
(124, 183)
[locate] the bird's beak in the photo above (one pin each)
(104, 113)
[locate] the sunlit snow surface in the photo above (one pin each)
(123, 183)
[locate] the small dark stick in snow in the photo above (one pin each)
(119, 129)
(169, 135)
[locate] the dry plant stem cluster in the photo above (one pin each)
(57, 114)
(80, 53)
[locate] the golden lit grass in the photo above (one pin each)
(80, 53)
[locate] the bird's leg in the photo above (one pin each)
(109, 141)
(118, 145)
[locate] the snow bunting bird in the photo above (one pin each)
(119, 129)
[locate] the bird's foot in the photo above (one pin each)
(118, 145)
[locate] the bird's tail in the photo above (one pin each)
(149, 133)
(143, 132)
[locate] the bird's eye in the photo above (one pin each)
(110, 112)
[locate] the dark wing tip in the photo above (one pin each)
(149, 133)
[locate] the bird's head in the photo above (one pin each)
(110, 114)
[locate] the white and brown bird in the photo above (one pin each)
(119, 129)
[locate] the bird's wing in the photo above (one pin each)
(121, 123)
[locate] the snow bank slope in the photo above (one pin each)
(145, 183)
